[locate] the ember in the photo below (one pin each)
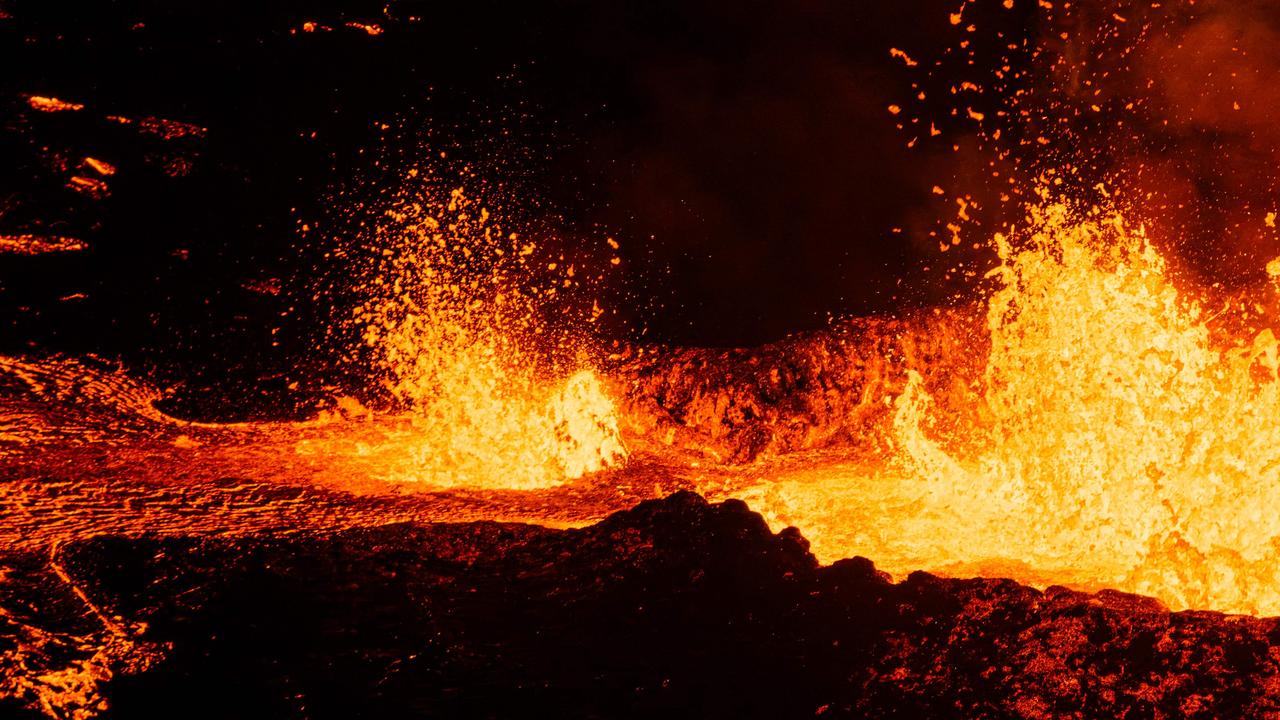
(451, 322)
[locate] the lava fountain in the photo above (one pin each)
(456, 327)
(485, 491)
(1103, 429)
(1116, 435)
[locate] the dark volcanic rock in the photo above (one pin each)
(673, 608)
(810, 390)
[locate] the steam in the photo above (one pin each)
(1199, 146)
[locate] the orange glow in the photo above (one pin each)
(170, 129)
(369, 29)
(166, 129)
(52, 104)
(903, 56)
(1112, 440)
(100, 166)
(93, 187)
(453, 323)
(38, 244)
(1100, 429)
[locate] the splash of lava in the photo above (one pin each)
(454, 324)
(1111, 432)
(1114, 437)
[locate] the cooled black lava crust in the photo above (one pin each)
(674, 608)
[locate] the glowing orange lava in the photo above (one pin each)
(1112, 441)
(1104, 430)
(26, 244)
(454, 324)
(52, 104)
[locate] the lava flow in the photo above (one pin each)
(454, 325)
(389, 449)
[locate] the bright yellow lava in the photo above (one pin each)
(1113, 442)
(454, 323)
(1115, 435)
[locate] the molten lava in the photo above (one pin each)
(1112, 438)
(454, 325)
(1099, 426)
(1104, 430)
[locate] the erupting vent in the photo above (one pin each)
(427, 388)
(1116, 436)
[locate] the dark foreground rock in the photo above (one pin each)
(674, 608)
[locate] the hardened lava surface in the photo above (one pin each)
(676, 607)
